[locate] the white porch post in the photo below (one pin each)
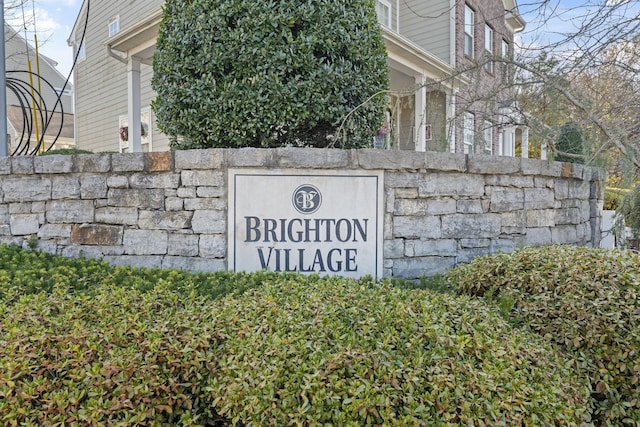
(133, 77)
(525, 142)
(508, 141)
(451, 121)
(420, 106)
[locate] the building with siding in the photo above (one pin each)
(39, 100)
(435, 87)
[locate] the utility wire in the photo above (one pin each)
(27, 94)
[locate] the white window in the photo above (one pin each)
(383, 9)
(469, 131)
(488, 137)
(469, 18)
(81, 52)
(488, 48)
(505, 65)
(114, 26)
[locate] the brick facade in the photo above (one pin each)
(487, 89)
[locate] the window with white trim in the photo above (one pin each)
(488, 48)
(114, 26)
(469, 18)
(488, 137)
(82, 54)
(383, 9)
(468, 132)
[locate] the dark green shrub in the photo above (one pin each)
(347, 353)
(570, 141)
(120, 357)
(28, 272)
(585, 300)
(66, 151)
(630, 209)
(239, 73)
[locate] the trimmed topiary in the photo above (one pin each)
(239, 73)
(586, 301)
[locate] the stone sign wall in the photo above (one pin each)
(171, 209)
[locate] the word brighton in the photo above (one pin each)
(305, 230)
(308, 230)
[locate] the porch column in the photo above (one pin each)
(451, 121)
(512, 141)
(508, 145)
(525, 142)
(133, 77)
(420, 106)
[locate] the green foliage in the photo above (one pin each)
(31, 272)
(238, 73)
(338, 352)
(570, 141)
(630, 209)
(66, 151)
(613, 198)
(89, 343)
(118, 358)
(586, 301)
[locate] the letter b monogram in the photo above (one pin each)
(307, 199)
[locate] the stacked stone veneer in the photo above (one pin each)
(170, 209)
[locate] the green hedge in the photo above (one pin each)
(337, 352)
(119, 357)
(27, 272)
(587, 301)
(115, 346)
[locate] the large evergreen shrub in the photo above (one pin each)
(238, 73)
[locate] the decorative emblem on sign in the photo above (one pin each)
(307, 199)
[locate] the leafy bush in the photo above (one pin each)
(305, 351)
(122, 346)
(66, 151)
(587, 301)
(630, 209)
(120, 357)
(239, 73)
(28, 272)
(613, 198)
